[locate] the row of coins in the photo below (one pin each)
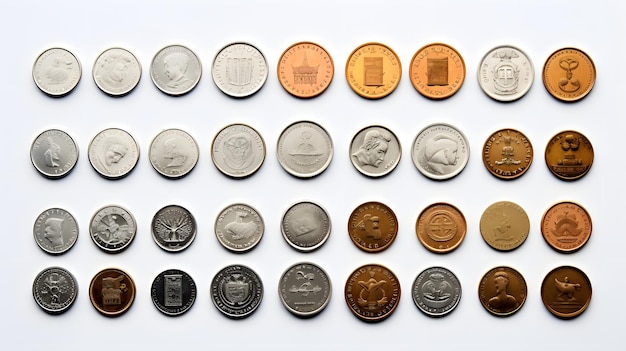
(305, 70)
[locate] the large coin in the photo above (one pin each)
(305, 69)
(113, 153)
(112, 292)
(566, 226)
(113, 228)
(304, 289)
(239, 70)
(116, 71)
(566, 292)
(173, 292)
(373, 226)
(441, 227)
(507, 154)
(56, 72)
(436, 291)
(239, 227)
(440, 151)
(173, 228)
(305, 226)
(569, 74)
(373, 70)
(506, 73)
(304, 149)
(372, 292)
(54, 153)
(238, 150)
(55, 290)
(502, 291)
(175, 70)
(504, 225)
(55, 231)
(236, 291)
(437, 71)
(173, 153)
(569, 155)
(375, 151)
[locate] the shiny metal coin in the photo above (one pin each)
(304, 289)
(113, 153)
(236, 291)
(506, 73)
(440, 151)
(173, 153)
(238, 151)
(112, 292)
(113, 228)
(116, 71)
(56, 72)
(175, 70)
(436, 291)
(173, 228)
(54, 153)
(372, 292)
(55, 231)
(173, 292)
(566, 292)
(305, 226)
(375, 151)
(239, 227)
(304, 149)
(239, 70)
(55, 290)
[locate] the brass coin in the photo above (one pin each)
(569, 155)
(566, 226)
(373, 70)
(569, 74)
(507, 154)
(504, 226)
(372, 292)
(566, 292)
(112, 292)
(305, 69)
(441, 227)
(437, 71)
(373, 226)
(502, 291)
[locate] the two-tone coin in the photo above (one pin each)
(55, 231)
(440, 151)
(236, 291)
(372, 226)
(506, 73)
(238, 150)
(437, 71)
(375, 151)
(373, 70)
(569, 74)
(507, 154)
(56, 72)
(566, 226)
(116, 71)
(304, 149)
(504, 225)
(173, 292)
(55, 289)
(569, 155)
(304, 289)
(113, 153)
(113, 228)
(305, 69)
(566, 292)
(173, 228)
(441, 227)
(54, 153)
(305, 226)
(173, 153)
(239, 227)
(112, 292)
(175, 70)
(436, 291)
(502, 291)
(372, 292)
(239, 69)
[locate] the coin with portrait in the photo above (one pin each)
(175, 70)
(116, 71)
(173, 153)
(375, 151)
(440, 151)
(502, 291)
(113, 153)
(55, 231)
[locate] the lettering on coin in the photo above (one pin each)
(173, 287)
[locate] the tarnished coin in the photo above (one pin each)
(305, 226)
(507, 154)
(441, 227)
(173, 292)
(54, 153)
(173, 228)
(239, 70)
(304, 149)
(173, 153)
(113, 228)
(112, 292)
(236, 291)
(440, 151)
(305, 69)
(506, 73)
(238, 150)
(373, 70)
(113, 153)
(437, 71)
(569, 74)
(375, 151)
(502, 291)
(239, 227)
(566, 292)
(56, 72)
(372, 226)
(569, 155)
(304, 289)
(504, 225)
(436, 291)
(566, 226)
(372, 292)
(116, 71)
(55, 290)
(55, 231)
(175, 70)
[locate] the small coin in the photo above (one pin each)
(373, 70)
(173, 153)
(569, 74)
(437, 71)
(238, 150)
(507, 154)
(566, 226)
(305, 69)
(54, 153)
(506, 73)
(55, 290)
(113, 153)
(304, 289)
(55, 231)
(113, 228)
(304, 149)
(305, 226)
(173, 292)
(569, 155)
(239, 70)
(175, 70)
(373, 226)
(236, 291)
(56, 72)
(375, 151)
(502, 291)
(436, 291)
(372, 292)
(566, 292)
(441, 227)
(116, 71)
(173, 228)
(440, 151)
(239, 227)
(112, 292)
(504, 225)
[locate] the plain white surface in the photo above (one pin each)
(472, 27)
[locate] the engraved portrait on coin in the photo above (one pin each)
(113, 153)
(112, 292)
(236, 291)
(440, 151)
(56, 72)
(55, 289)
(238, 150)
(54, 153)
(239, 70)
(55, 231)
(506, 73)
(304, 149)
(173, 228)
(502, 291)
(375, 151)
(175, 70)
(173, 153)
(112, 228)
(116, 71)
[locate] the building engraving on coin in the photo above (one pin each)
(566, 292)
(436, 291)
(375, 151)
(54, 153)
(239, 227)
(506, 73)
(238, 150)
(305, 70)
(372, 292)
(373, 70)
(113, 228)
(239, 70)
(55, 231)
(569, 155)
(440, 151)
(373, 226)
(304, 289)
(566, 226)
(175, 70)
(236, 291)
(437, 71)
(56, 72)
(305, 226)
(304, 149)
(55, 290)
(507, 154)
(173, 228)
(502, 291)
(116, 71)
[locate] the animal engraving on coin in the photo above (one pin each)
(173, 292)
(238, 150)
(116, 71)
(304, 149)
(507, 154)
(175, 70)
(566, 226)
(504, 225)
(56, 72)
(55, 231)
(54, 153)
(506, 73)
(373, 226)
(436, 291)
(372, 292)
(440, 151)
(113, 153)
(304, 289)
(173, 228)
(375, 151)
(113, 228)
(441, 227)
(569, 74)
(305, 226)
(502, 291)
(373, 70)
(173, 153)
(569, 155)
(437, 71)
(305, 70)
(239, 70)
(112, 292)
(55, 290)
(236, 291)
(566, 292)
(239, 227)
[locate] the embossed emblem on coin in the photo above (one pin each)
(566, 292)
(239, 227)
(372, 292)
(506, 73)
(238, 150)
(441, 227)
(56, 72)
(569, 155)
(55, 231)
(569, 74)
(113, 153)
(239, 70)
(436, 291)
(373, 226)
(173, 292)
(437, 71)
(507, 154)
(55, 290)
(373, 70)
(440, 151)
(175, 70)
(236, 291)
(305, 70)
(112, 292)
(304, 149)
(116, 71)
(375, 151)
(566, 226)
(305, 226)
(304, 289)
(173, 228)
(113, 228)
(502, 291)
(173, 153)
(504, 225)
(54, 153)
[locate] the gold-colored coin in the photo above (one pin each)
(569, 155)
(569, 74)
(373, 70)
(502, 291)
(373, 226)
(305, 69)
(566, 226)
(441, 227)
(437, 71)
(504, 225)
(112, 292)
(372, 292)
(507, 154)
(566, 292)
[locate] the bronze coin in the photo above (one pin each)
(373, 70)
(569, 74)
(566, 226)
(112, 292)
(441, 227)
(502, 291)
(569, 155)
(507, 154)
(566, 292)
(305, 69)
(373, 226)
(504, 225)
(437, 71)
(372, 292)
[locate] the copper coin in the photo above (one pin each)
(305, 69)
(569, 74)
(112, 292)
(566, 292)
(507, 154)
(372, 292)
(566, 226)
(441, 227)
(502, 291)
(569, 155)
(504, 226)
(373, 226)
(437, 71)
(373, 70)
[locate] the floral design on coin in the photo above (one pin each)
(506, 73)
(173, 228)
(175, 70)
(304, 289)
(569, 74)
(502, 291)
(566, 292)
(436, 291)
(569, 155)
(373, 226)
(55, 290)
(173, 153)
(113, 228)
(441, 227)
(116, 72)
(372, 292)
(239, 70)
(239, 227)
(55, 231)
(54, 153)
(173, 292)
(113, 153)
(373, 70)
(504, 225)
(507, 154)
(56, 72)
(236, 291)
(566, 226)
(304, 149)
(112, 292)
(305, 69)
(375, 151)
(440, 151)
(437, 71)
(238, 151)
(305, 226)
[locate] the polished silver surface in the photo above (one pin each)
(375, 151)
(304, 149)
(239, 227)
(173, 228)
(436, 291)
(54, 153)
(440, 151)
(112, 228)
(506, 73)
(56, 72)
(305, 226)
(238, 150)
(55, 231)
(55, 290)
(239, 70)
(173, 153)
(236, 291)
(304, 289)
(175, 70)
(113, 153)
(173, 292)
(116, 71)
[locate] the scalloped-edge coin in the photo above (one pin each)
(239, 70)
(304, 149)
(305, 226)
(173, 228)
(440, 151)
(236, 291)
(506, 73)
(175, 70)
(238, 150)
(112, 292)
(56, 72)
(55, 289)
(55, 231)
(113, 228)
(113, 153)
(304, 289)
(375, 151)
(436, 291)
(116, 71)
(173, 292)
(54, 153)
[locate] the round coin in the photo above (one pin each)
(54, 153)
(566, 292)
(305, 69)
(436, 291)
(569, 155)
(502, 291)
(569, 74)
(304, 289)
(173, 228)
(173, 153)
(112, 292)
(506, 73)
(304, 149)
(437, 71)
(441, 227)
(55, 231)
(236, 291)
(504, 225)
(175, 70)
(238, 151)
(116, 71)
(55, 290)
(372, 292)
(507, 154)
(373, 70)
(375, 151)
(56, 72)
(173, 292)
(239, 70)
(305, 226)
(113, 228)
(440, 151)
(566, 226)
(372, 226)
(239, 227)
(113, 153)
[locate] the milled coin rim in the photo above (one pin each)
(251, 171)
(64, 93)
(290, 170)
(310, 96)
(313, 312)
(173, 93)
(193, 223)
(122, 92)
(307, 248)
(443, 176)
(497, 97)
(70, 301)
(362, 169)
(247, 94)
(103, 174)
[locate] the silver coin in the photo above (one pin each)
(113, 153)
(436, 291)
(113, 228)
(305, 226)
(440, 151)
(54, 153)
(375, 151)
(173, 153)
(55, 231)
(55, 290)
(506, 73)
(238, 150)
(173, 292)
(236, 291)
(304, 289)
(239, 70)
(173, 228)
(239, 227)
(304, 149)
(56, 72)
(116, 71)
(175, 70)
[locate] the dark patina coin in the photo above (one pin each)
(372, 292)
(502, 291)
(112, 292)
(236, 291)
(566, 292)
(55, 290)
(173, 292)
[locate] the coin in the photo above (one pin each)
(373, 70)
(507, 154)
(56, 72)
(304, 289)
(239, 70)
(437, 71)
(569, 155)
(304, 149)
(566, 292)
(173, 228)
(372, 226)
(113, 153)
(305, 69)
(504, 225)
(566, 226)
(116, 71)
(375, 151)
(569, 74)
(54, 153)
(441, 227)
(55, 290)
(236, 291)
(55, 231)
(506, 73)
(173, 153)
(238, 150)
(113, 228)
(372, 292)
(305, 226)
(239, 227)
(173, 292)
(175, 70)
(436, 291)
(112, 292)
(502, 291)
(440, 151)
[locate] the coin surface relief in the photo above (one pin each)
(173, 153)
(304, 289)
(372, 292)
(440, 151)
(566, 292)
(173, 292)
(375, 151)
(116, 71)
(436, 291)
(238, 150)
(57, 72)
(236, 291)
(54, 153)
(507, 154)
(569, 155)
(506, 73)
(113, 153)
(113, 228)
(112, 292)
(566, 226)
(373, 226)
(504, 225)
(437, 71)
(305, 226)
(569, 74)
(502, 291)
(305, 69)
(55, 289)
(175, 70)
(373, 70)
(173, 228)
(304, 149)
(55, 231)
(239, 70)
(441, 227)
(239, 227)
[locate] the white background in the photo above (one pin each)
(473, 27)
